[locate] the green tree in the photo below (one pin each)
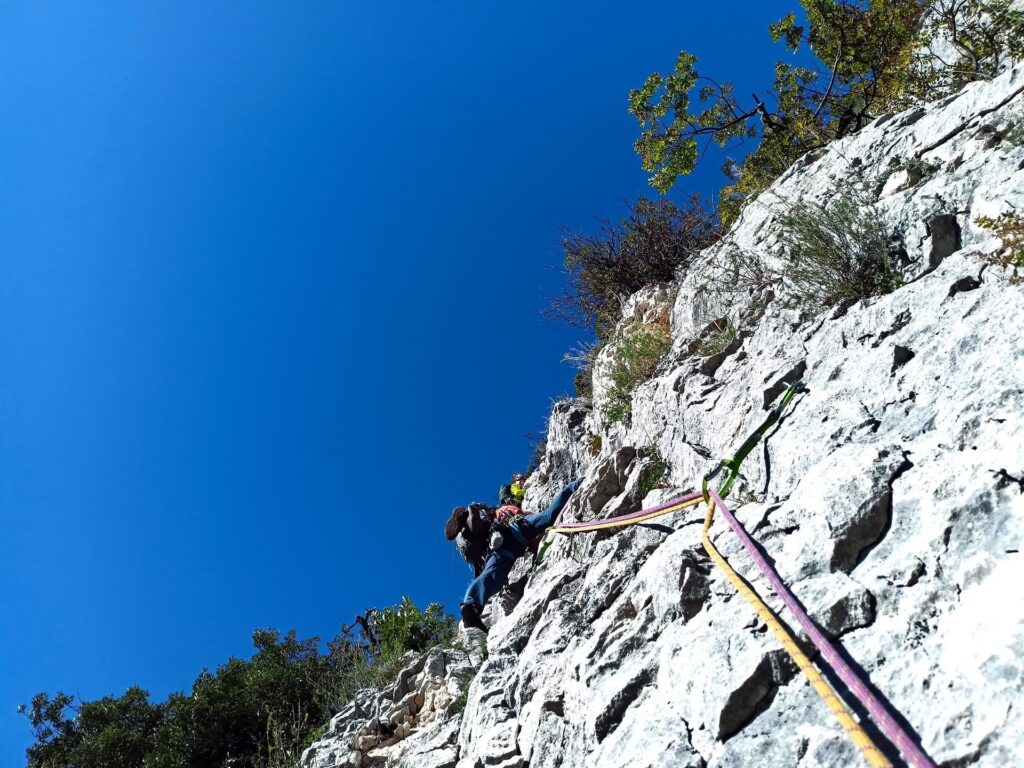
(231, 712)
(248, 713)
(862, 53)
(96, 734)
(985, 36)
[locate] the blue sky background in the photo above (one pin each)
(271, 277)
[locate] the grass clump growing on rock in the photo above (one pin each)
(458, 706)
(1008, 227)
(581, 357)
(636, 355)
(836, 254)
(655, 471)
(717, 340)
(1015, 136)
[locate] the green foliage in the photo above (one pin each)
(404, 627)
(255, 713)
(96, 734)
(636, 355)
(458, 706)
(250, 710)
(1015, 136)
(987, 35)
(644, 249)
(668, 147)
(583, 383)
(917, 170)
(655, 470)
(1008, 227)
(836, 254)
(399, 629)
(716, 340)
(861, 49)
(865, 62)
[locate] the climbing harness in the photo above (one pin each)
(876, 710)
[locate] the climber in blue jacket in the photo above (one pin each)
(509, 541)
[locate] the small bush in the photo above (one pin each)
(644, 249)
(1008, 227)
(458, 706)
(734, 281)
(654, 471)
(636, 357)
(583, 383)
(581, 357)
(403, 628)
(717, 340)
(1015, 136)
(836, 254)
(594, 444)
(538, 447)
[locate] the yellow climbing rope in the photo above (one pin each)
(839, 709)
(628, 519)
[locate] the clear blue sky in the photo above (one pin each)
(270, 287)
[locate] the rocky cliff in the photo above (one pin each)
(890, 498)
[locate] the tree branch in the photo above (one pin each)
(831, 82)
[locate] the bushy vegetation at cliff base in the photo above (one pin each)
(259, 712)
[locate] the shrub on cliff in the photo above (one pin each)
(404, 627)
(984, 36)
(645, 248)
(837, 253)
(634, 358)
(1009, 228)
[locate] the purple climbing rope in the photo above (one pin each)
(914, 755)
(623, 519)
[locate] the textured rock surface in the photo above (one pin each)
(891, 499)
(412, 715)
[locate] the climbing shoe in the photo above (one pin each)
(471, 617)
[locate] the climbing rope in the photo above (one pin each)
(842, 713)
(876, 710)
(667, 508)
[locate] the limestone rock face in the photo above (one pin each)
(414, 715)
(890, 498)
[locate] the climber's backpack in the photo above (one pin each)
(472, 539)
